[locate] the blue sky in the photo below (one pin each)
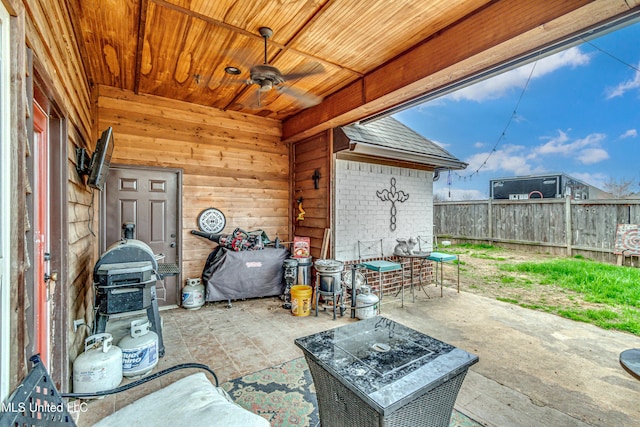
(579, 115)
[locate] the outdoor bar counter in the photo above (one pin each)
(377, 372)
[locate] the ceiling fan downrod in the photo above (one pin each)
(266, 33)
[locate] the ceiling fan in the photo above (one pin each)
(267, 77)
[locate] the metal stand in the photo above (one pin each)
(153, 314)
(335, 296)
(354, 269)
(418, 255)
(290, 275)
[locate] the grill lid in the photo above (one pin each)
(124, 252)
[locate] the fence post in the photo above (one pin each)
(490, 220)
(568, 226)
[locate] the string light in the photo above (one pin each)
(610, 55)
(503, 134)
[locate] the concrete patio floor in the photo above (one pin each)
(535, 369)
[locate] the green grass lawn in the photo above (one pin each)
(616, 289)
(602, 294)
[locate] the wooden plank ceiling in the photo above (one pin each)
(179, 49)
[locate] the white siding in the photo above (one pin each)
(361, 215)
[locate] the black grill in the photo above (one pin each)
(125, 280)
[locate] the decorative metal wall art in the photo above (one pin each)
(211, 220)
(393, 196)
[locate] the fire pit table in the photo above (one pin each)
(377, 372)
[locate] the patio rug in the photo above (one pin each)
(285, 395)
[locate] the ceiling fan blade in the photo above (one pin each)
(308, 70)
(306, 99)
(236, 82)
(259, 99)
(242, 57)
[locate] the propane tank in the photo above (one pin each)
(193, 294)
(366, 303)
(139, 349)
(99, 367)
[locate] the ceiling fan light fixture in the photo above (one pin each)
(266, 85)
(268, 77)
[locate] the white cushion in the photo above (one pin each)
(191, 401)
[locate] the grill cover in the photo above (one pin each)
(230, 275)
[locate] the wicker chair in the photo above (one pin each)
(37, 403)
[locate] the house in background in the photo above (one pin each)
(384, 154)
(543, 186)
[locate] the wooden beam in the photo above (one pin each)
(242, 31)
(497, 34)
(142, 24)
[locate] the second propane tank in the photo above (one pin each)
(139, 349)
(193, 294)
(366, 303)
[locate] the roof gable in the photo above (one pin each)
(388, 133)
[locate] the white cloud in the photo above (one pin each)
(519, 160)
(498, 86)
(511, 159)
(586, 150)
(595, 179)
(479, 144)
(590, 156)
(631, 133)
(624, 87)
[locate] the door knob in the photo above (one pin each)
(53, 276)
(172, 244)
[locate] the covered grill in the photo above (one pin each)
(124, 275)
(125, 279)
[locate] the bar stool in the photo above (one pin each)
(373, 249)
(440, 258)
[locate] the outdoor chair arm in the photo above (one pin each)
(142, 381)
(50, 408)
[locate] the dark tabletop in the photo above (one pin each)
(385, 363)
(630, 361)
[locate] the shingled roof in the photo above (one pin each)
(392, 137)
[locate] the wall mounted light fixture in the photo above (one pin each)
(316, 178)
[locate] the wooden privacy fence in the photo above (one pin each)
(558, 226)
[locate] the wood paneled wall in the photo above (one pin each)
(44, 27)
(309, 155)
(230, 161)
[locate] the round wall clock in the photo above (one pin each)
(211, 221)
